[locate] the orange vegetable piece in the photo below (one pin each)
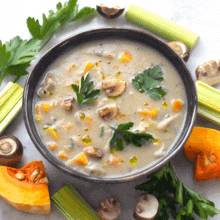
(177, 105)
(149, 112)
(46, 107)
(88, 67)
(37, 113)
(24, 192)
(125, 57)
(203, 149)
(81, 160)
(63, 156)
(52, 146)
(53, 132)
(89, 121)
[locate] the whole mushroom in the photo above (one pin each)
(109, 209)
(109, 12)
(180, 48)
(209, 72)
(146, 207)
(11, 150)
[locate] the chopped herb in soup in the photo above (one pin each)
(110, 108)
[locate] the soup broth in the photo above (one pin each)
(79, 134)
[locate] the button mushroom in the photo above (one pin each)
(209, 72)
(109, 209)
(11, 150)
(180, 48)
(114, 88)
(164, 124)
(109, 112)
(93, 152)
(109, 12)
(67, 104)
(146, 207)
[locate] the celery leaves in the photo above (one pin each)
(149, 82)
(16, 55)
(65, 14)
(176, 198)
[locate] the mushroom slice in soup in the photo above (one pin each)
(114, 87)
(109, 112)
(67, 104)
(93, 152)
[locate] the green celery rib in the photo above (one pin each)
(11, 101)
(208, 102)
(72, 204)
(7, 92)
(10, 116)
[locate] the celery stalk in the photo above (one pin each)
(162, 26)
(208, 102)
(72, 204)
(10, 104)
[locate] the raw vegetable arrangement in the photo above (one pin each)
(171, 196)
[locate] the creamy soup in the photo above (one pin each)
(80, 134)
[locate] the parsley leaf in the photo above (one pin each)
(65, 14)
(84, 95)
(149, 82)
(16, 56)
(175, 197)
(123, 136)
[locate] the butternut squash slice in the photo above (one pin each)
(203, 149)
(26, 189)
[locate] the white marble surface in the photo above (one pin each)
(201, 16)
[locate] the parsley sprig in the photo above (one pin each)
(123, 136)
(176, 198)
(149, 82)
(17, 54)
(84, 93)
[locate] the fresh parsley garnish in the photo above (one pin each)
(65, 14)
(16, 56)
(84, 93)
(176, 198)
(149, 82)
(123, 136)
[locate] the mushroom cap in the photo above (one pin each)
(180, 48)
(11, 150)
(209, 72)
(109, 209)
(109, 12)
(114, 88)
(109, 112)
(146, 207)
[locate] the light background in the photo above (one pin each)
(201, 16)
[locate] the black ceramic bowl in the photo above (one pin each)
(99, 34)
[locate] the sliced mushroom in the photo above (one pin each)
(109, 12)
(109, 112)
(114, 88)
(109, 209)
(146, 207)
(50, 87)
(67, 104)
(93, 152)
(209, 72)
(180, 48)
(164, 124)
(11, 150)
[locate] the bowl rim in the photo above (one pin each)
(188, 121)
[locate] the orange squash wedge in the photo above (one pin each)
(203, 149)
(26, 189)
